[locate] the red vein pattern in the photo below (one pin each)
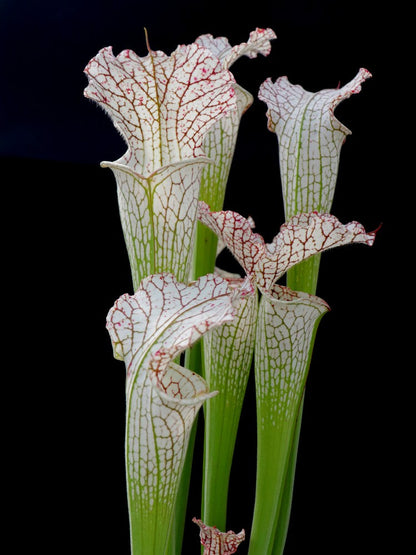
(302, 236)
(216, 542)
(163, 106)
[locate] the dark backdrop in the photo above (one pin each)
(65, 264)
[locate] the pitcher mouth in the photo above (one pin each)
(173, 166)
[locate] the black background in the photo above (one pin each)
(65, 264)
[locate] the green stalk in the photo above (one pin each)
(220, 435)
(282, 525)
(272, 464)
(227, 360)
(302, 277)
(286, 331)
(205, 251)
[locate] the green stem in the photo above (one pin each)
(221, 416)
(282, 526)
(302, 277)
(227, 356)
(205, 251)
(216, 471)
(272, 463)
